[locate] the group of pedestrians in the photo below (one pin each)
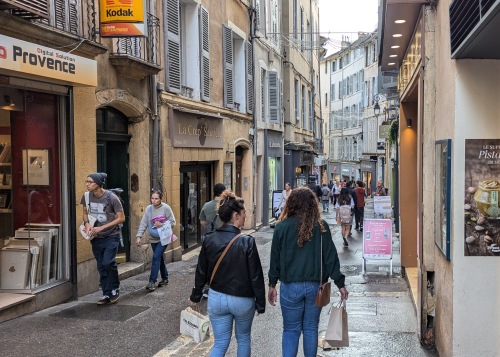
(236, 278)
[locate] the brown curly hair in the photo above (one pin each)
(303, 203)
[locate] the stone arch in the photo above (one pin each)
(122, 100)
(244, 143)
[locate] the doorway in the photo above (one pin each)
(112, 158)
(195, 191)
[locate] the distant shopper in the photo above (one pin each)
(284, 196)
(155, 216)
(336, 192)
(314, 187)
(325, 197)
(360, 205)
(237, 290)
(209, 218)
(344, 207)
(296, 246)
(349, 185)
(380, 190)
(107, 208)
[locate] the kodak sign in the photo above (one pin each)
(112, 11)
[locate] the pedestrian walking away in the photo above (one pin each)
(209, 218)
(359, 212)
(325, 197)
(344, 207)
(237, 290)
(156, 215)
(107, 209)
(284, 196)
(297, 241)
(314, 187)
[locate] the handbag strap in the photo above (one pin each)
(87, 199)
(222, 256)
(321, 259)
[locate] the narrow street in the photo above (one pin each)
(382, 319)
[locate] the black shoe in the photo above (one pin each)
(150, 286)
(115, 295)
(361, 229)
(345, 243)
(104, 300)
(163, 282)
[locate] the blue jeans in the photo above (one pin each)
(158, 263)
(300, 315)
(325, 205)
(105, 250)
(222, 310)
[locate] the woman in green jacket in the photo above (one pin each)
(296, 247)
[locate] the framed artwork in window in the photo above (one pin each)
(36, 167)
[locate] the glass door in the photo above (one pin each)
(195, 192)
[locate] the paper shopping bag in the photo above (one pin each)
(165, 233)
(195, 324)
(337, 332)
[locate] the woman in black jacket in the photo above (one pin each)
(237, 290)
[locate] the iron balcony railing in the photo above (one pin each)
(143, 48)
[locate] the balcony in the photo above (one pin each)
(138, 57)
(67, 25)
(474, 27)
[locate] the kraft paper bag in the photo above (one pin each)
(195, 324)
(337, 332)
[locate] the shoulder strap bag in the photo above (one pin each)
(222, 256)
(324, 290)
(91, 219)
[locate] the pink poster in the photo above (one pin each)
(377, 239)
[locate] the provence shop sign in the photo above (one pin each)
(25, 57)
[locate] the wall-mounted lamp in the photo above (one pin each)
(9, 101)
(408, 122)
(229, 152)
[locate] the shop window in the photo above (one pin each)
(33, 236)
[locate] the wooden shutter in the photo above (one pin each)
(227, 43)
(173, 46)
(205, 54)
(249, 76)
(273, 96)
(258, 15)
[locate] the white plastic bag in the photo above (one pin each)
(195, 324)
(166, 234)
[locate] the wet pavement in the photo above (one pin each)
(382, 320)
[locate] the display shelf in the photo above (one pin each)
(7, 187)
(5, 164)
(5, 210)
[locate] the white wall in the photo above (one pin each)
(476, 290)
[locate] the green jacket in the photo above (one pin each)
(291, 263)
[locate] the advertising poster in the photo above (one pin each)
(382, 205)
(482, 187)
(377, 239)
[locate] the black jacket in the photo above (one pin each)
(239, 273)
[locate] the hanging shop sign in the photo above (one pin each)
(482, 191)
(122, 18)
(29, 58)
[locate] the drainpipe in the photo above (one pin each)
(251, 13)
(155, 164)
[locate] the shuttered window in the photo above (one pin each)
(273, 97)
(227, 48)
(249, 77)
(205, 55)
(173, 45)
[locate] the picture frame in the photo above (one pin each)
(442, 198)
(4, 198)
(36, 167)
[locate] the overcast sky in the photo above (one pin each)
(347, 16)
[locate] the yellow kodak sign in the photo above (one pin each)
(121, 11)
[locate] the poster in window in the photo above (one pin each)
(36, 167)
(481, 191)
(228, 175)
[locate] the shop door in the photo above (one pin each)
(195, 192)
(112, 158)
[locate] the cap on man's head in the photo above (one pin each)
(99, 178)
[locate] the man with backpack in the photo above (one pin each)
(209, 218)
(314, 187)
(325, 197)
